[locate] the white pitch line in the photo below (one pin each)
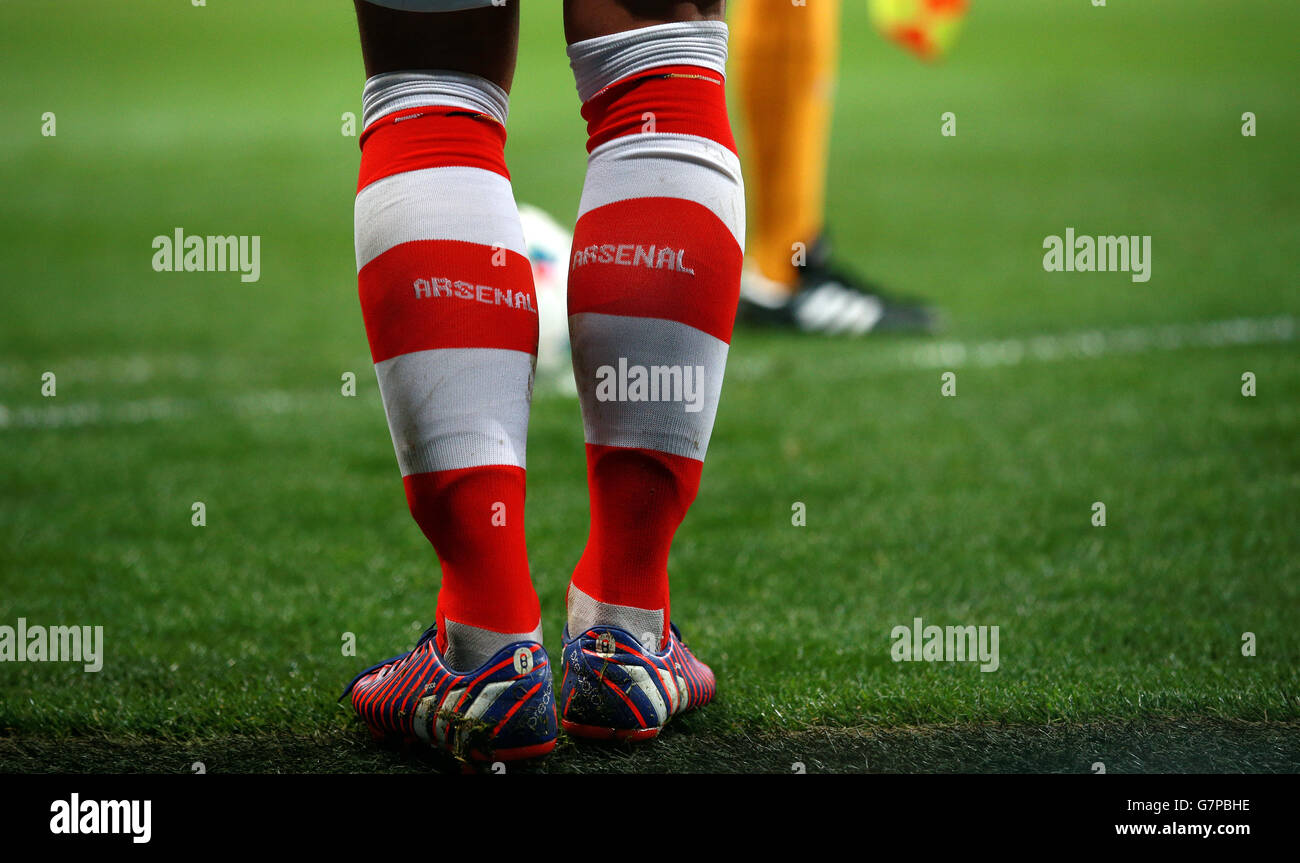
(1083, 345)
(142, 368)
(1049, 347)
(56, 416)
(135, 369)
(1090, 344)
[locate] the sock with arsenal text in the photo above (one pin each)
(653, 284)
(451, 317)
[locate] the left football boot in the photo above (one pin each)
(503, 710)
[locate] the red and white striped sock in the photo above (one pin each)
(653, 285)
(451, 316)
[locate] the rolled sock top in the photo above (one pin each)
(396, 91)
(604, 60)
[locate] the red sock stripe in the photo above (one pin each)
(689, 100)
(485, 580)
(431, 294)
(638, 499)
(640, 267)
(432, 137)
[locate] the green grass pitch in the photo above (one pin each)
(1119, 644)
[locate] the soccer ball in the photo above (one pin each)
(548, 245)
(927, 28)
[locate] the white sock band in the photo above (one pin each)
(646, 625)
(396, 91)
(599, 62)
(468, 647)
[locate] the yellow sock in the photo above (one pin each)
(785, 59)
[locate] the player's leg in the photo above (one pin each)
(786, 57)
(480, 39)
(451, 317)
(653, 284)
